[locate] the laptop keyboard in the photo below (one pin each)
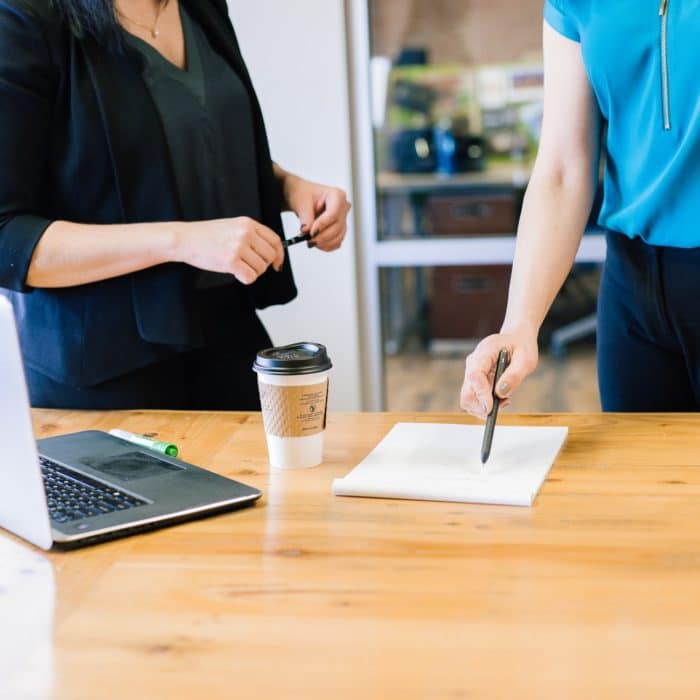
(73, 496)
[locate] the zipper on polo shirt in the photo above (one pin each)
(665, 96)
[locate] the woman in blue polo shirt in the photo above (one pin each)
(621, 83)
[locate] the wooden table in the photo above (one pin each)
(592, 593)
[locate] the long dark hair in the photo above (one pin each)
(96, 18)
(90, 18)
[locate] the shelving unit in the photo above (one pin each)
(491, 250)
(391, 249)
(399, 194)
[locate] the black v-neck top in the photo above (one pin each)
(208, 122)
(81, 140)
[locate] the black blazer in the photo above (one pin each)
(81, 140)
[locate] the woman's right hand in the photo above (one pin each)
(480, 368)
(241, 247)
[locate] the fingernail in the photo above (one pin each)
(311, 244)
(304, 228)
(503, 388)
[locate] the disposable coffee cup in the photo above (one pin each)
(293, 384)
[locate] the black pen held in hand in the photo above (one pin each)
(297, 239)
(501, 364)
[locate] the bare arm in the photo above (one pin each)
(70, 254)
(560, 194)
(555, 211)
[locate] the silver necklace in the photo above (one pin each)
(155, 32)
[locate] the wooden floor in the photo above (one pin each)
(421, 382)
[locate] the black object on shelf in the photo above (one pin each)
(413, 97)
(470, 153)
(413, 56)
(412, 151)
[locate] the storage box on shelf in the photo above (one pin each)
(472, 214)
(466, 304)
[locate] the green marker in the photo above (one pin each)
(165, 448)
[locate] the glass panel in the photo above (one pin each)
(433, 317)
(457, 106)
(456, 111)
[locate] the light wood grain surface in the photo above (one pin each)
(592, 593)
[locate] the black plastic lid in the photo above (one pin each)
(298, 358)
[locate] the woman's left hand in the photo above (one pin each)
(322, 211)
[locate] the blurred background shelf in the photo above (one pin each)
(454, 95)
(477, 250)
(412, 183)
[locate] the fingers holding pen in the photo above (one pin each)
(330, 227)
(476, 397)
(240, 246)
(273, 245)
(259, 248)
(522, 363)
(330, 239)
(477, 391)
(334, 208)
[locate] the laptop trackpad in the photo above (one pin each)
(131, 466)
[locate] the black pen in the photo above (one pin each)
(501, 365)
(297, 239)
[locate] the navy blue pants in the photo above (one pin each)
(649, 327)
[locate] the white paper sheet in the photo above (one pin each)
(440, 462)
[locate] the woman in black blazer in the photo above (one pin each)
(139, 206)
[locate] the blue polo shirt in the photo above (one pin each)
(643, 61)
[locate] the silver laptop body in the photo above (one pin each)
(97, 486)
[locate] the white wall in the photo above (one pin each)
(296, 53)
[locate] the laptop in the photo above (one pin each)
(86, 487)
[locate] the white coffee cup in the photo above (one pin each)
(293, 383)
